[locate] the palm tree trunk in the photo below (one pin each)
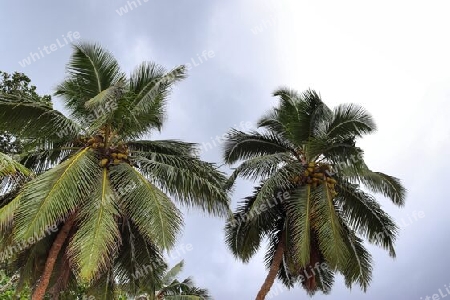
(274, 268)
(39, 292)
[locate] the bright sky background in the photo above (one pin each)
(392, 57)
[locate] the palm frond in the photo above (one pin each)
(358, 268)
(330, 232)
(169, 147)
(377, 182)
(10, 167)
(350, 120)
(301, 114)
(388, 186)
(7, 213)
(47, 199)
(300, 212)
(191, 181)
(260, 167)
(173, 273)
(45, 155)
(145, 105)
(29, 119)
(154, 214)
(365, 216)
(281, 180)
(270, 121)
(91, 70)
(139, 265)
(107, 97)
(247, 227)
(240, 145)
(94, 245)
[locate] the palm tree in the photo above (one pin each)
(170, 287)
(106, 190)
(306, 152)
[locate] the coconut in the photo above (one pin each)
(104, 162)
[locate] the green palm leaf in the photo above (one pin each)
(300, 214)
(241, 146)
(191, 181)
(27, 118)
(51, 196)
(91, 71)
(329, 230)
(365, 216)
(94, 245)
(350, 120)
(154, 214)
(173, 273)
(145, 105)
(389, 186)
(9, 167)
(358, 267)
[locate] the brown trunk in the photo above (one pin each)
(39, 292)
(314, 257)
(274, 268)
(63, 280)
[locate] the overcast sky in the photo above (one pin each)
(393, 58)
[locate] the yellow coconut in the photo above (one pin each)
(104, 162)
(121, 156)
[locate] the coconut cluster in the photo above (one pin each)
(115, 155)
(112, 155)
(315, 175)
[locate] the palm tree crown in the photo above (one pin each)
(170, 287)
(307, 152)
(108, 192)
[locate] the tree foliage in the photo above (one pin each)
(18, 85)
